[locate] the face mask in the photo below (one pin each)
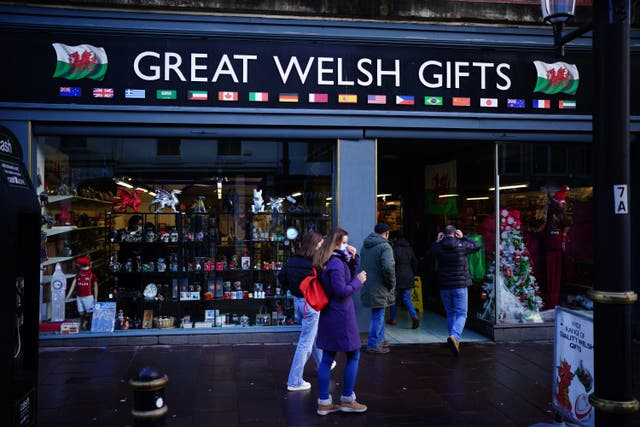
(343, 247)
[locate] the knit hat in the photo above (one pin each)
(561, 194)
(381, 228)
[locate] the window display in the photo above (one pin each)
(187, 237)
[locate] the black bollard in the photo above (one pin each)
(149, 406)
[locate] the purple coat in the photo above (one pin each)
(338, 326)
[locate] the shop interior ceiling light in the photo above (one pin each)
(444, 196)
(122, 183)
(478, 198)
(510, 187)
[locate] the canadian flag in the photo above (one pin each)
(227, 96)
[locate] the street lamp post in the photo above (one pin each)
(612, 296)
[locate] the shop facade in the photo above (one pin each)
(269, 128)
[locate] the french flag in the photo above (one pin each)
(541, 103)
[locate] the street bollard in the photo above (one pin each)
(149, 406)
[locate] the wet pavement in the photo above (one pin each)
(419, 383)
(490, 384)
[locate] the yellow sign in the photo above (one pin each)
(416, 293)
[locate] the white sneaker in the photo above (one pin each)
(333, 365)
(303, 386)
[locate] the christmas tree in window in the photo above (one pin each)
(520, 299)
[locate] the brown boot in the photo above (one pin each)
(454, 345)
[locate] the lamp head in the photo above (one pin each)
(557, 11)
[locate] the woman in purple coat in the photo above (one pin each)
(338, 330)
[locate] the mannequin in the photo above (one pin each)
(87, 283)
(554, 242)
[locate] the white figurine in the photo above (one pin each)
(258, 202)
(58, 292)
(275, 204)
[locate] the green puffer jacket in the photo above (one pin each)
(376, 258)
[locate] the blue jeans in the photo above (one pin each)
(306, 342)
(455, 303)
(376, 328)
(404, 296)
(350, 373)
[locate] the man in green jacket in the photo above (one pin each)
(378, 293)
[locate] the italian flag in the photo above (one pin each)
(259, 96)
(556, 77)
(79, 62)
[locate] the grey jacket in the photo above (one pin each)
(376, 258)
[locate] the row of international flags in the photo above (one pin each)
(322, 98)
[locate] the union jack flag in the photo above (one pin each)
(102, 92)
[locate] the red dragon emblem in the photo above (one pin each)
(441, 185)
(558, 77)
(81, 62)
(565, 376)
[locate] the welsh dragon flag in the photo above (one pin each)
(440, 180)
(556, 77)
(78, 62)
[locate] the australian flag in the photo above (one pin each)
(70, 91)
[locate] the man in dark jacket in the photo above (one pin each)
(450, 250)
(378, 293)
(406, 269)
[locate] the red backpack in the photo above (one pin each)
(313, 292)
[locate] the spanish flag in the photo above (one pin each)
(347, 99)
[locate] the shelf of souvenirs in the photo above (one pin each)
(61, 229)
(167, 272)
(57, 198)
(54, 260)
(235, 296)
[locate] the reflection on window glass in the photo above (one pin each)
(293, 176)
(512, 159)
(539, 159)
(558, 159)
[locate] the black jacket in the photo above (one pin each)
(406, 263)
(451, 255)
(294, 270)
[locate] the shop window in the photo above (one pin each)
(580, 161)
(70, 142)
(229, 147)
(168, 147)
(549, 159)
(238, 208)
(512, 159)
(558, 159)
(319, 153)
